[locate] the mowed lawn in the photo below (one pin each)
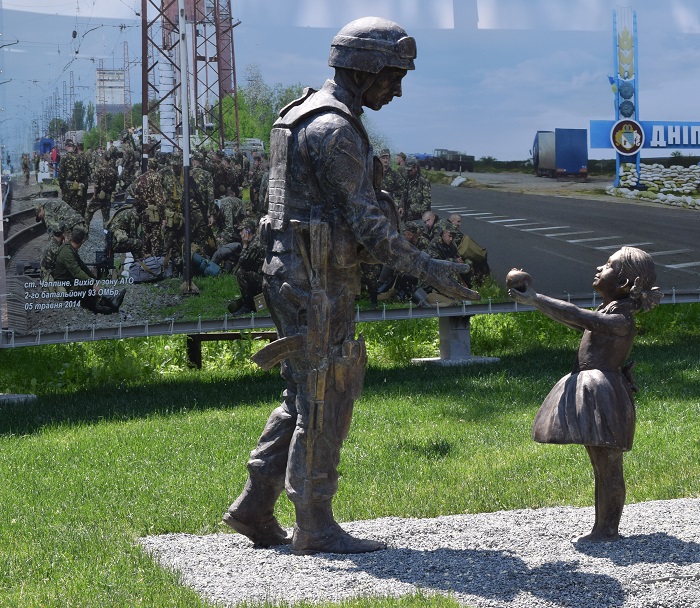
(123, 441)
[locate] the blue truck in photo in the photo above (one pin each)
(560, 153)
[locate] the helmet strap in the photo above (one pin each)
(357, 83)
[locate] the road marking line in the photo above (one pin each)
(600, 238)
(621, 245)
(519, 225)
(671, 252)
(685, 265)
(476, 214)
(556, 234)
(520, 219)
(545, 228)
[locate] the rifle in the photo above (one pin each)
(315, 345)
(317, 337)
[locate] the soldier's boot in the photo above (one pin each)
(252, 513)
(316, 531)
(420, 298)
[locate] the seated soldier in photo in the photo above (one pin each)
(48, 256)
(225, 220)
(71, 268)
(248, 269)
(401, 286)
(470, 251)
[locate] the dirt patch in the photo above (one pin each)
(592, 187)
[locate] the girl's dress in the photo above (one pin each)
(593, 405)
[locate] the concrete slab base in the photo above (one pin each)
(15, 398)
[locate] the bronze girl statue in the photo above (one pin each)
(593, 405)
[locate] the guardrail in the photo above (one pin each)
(453, 331)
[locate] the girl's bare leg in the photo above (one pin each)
(609, 493)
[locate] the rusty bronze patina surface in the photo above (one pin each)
(323, 221)
(593, 405)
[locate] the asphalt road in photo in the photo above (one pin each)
(560, 241)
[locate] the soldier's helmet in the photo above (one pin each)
(412, 227)
(370, 44)
(197, 156)
(249, 224)
(68, 143)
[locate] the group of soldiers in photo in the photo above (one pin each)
(149, 223)
(143, 213)
(442, 238)
(143, 216)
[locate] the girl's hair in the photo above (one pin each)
(638, 268)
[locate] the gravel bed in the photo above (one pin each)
(525, 558)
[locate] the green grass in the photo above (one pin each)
(214, 295)
(124, 440)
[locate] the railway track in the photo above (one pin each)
(21, 230)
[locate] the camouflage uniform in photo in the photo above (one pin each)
(25, 167)
(150, 197)
(73, 178)
(48, 259)
(173, 216)
(440, 250)
(257, 209)
(228, 220)
(124, 230)
(472, 252)
(417, 198)
(249, 271)
(242, 166)
(394, 183)
(201, 207)
(264, 183)
(129, 163)
(234, 178)
(59, 215)
(440, 225)
(219, 174)
(105, 179)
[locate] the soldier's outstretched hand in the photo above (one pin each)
(443, 276)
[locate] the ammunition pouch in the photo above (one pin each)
(153, 214)
(173, 219)
(349, 363)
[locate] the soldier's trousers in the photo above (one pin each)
(250, 284)
(294, 445)
(104, 206)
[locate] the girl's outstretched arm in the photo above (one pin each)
(571, 315)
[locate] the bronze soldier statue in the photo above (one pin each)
(322, 215)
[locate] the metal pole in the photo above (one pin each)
(144, 86)
(3, 276)
(184, 104)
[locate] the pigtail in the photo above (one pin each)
(645, 299)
